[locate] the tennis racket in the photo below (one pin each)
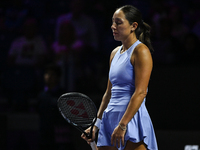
(80, 111)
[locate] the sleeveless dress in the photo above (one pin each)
(140, 127)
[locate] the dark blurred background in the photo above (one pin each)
(50, 47)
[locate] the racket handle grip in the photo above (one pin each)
(93, 145)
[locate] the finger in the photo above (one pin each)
(90, 140)
(115, 142)
(122, 141)
(84, 137)
(118, 142)
(112, 138)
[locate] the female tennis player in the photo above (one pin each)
(123, 120)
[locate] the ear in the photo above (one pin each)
(134, 26)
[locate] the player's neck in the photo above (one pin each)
(128, 43)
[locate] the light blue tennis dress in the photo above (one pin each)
(140, 127)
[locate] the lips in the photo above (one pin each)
(114, 33)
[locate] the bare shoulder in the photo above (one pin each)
(114, 51)
(141, 52)
(141, 49)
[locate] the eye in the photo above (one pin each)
(118, 22)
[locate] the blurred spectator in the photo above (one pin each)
(54, 130)
(84, 25)
(76, 33)
(28, 49)
(67, 50)
(26, 57)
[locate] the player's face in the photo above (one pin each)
(120, 26)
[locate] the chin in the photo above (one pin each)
(117, 38)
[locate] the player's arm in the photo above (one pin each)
(142, 62)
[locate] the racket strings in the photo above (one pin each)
(78, 110)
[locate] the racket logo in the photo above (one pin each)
(77, 109)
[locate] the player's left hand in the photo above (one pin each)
(117, 136)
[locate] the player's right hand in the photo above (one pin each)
(88, 132)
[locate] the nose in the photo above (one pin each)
(113, 27)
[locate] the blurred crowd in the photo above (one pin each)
(49, 47)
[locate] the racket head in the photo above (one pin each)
(77, 109)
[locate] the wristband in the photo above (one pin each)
(97, 123)
(123, 128)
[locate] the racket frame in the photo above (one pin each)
(79, 127)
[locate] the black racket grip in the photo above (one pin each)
(89, 136)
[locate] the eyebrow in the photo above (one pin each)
(117, 19)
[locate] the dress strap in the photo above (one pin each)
(133, 47)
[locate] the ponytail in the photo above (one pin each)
(143, 34)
